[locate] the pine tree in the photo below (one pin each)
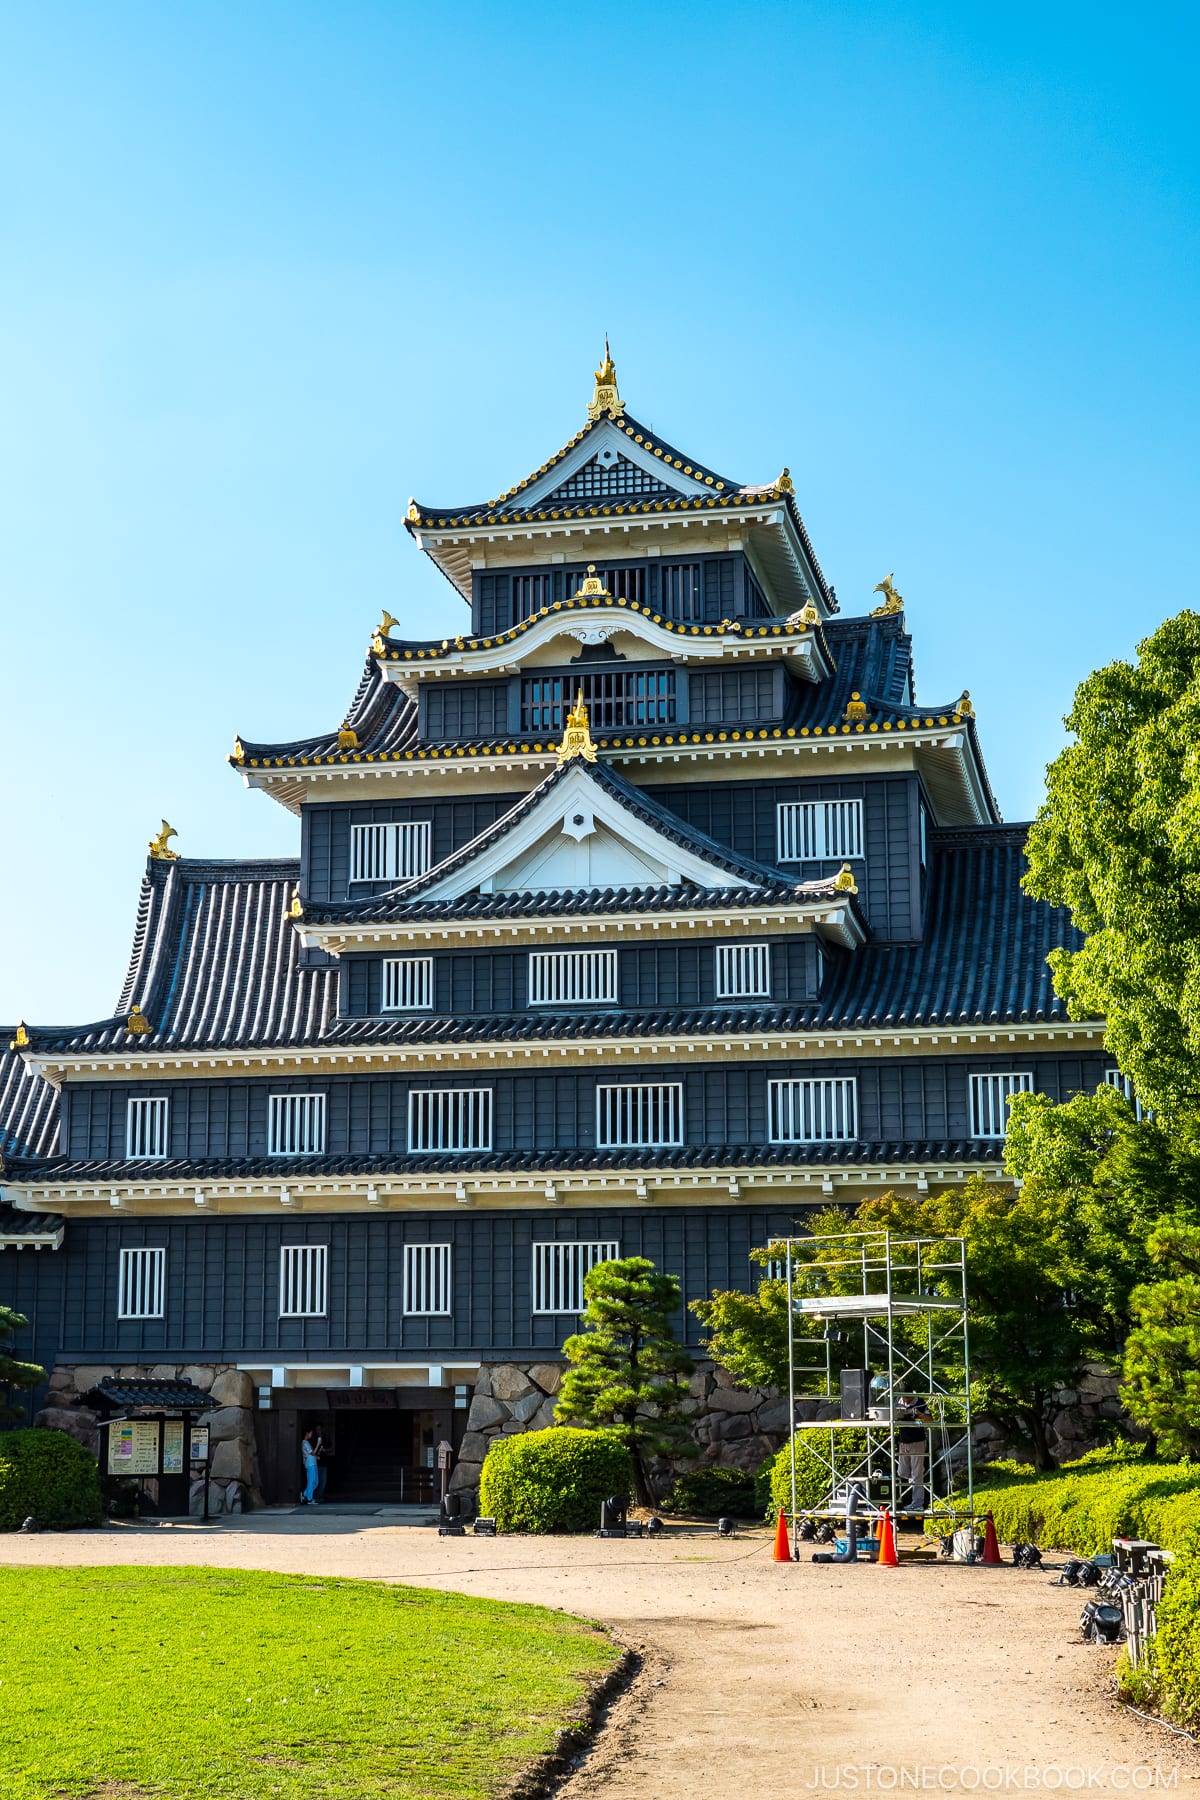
(628, 1371)
(13, 1373)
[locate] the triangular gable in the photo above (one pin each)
(609, 442)
(610, 476)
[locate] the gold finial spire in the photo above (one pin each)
(159, 845)
(892, 601)
(577, 738)
(605, 398)
(137, 1024)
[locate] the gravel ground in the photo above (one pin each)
(758, 1679)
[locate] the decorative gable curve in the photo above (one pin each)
(609, 476)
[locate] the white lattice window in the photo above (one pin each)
(819, 830)
(426, 1278)
(1113, 1078)
(572, 977)
(450, 1119)
(146, 1126)
(296, 1125)
(643, 1115)
(743, 971)
(990, 1095)
(389, 852)
(303, 1281)
(407, 983)
(141, 1284)
(558, 1272)
(821, 1109)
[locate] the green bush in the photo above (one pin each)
(707, 1493)
(553, 1480)
(47, 1476)
(812, 1469)
(1176, 1649)
(1084, 1505)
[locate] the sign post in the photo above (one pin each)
(445, 1455)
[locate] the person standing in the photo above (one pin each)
(324, 1452)
(911, 1447)
(308, 1450)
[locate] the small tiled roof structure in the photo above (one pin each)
(29, 1231)
(115, 1392)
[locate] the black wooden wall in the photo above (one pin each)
(325, 835)
(728, 587)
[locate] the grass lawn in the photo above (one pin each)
(214, 1684)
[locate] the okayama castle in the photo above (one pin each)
(643, 916)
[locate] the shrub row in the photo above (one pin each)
(709, 1493)
(47, 1476)
(552, 1480)
(1084, 1505)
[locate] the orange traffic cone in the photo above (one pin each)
(991, 1546)
(887, 1558)
(783, 1550)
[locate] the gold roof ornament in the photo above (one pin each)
(159, 845)
(385, 624)
(605, 398)
(892, 601)
(21, 1041)
(577, 738)
(137, 1024)
(964, 707)
(414, 512)
(239, 752)
(296, 909)
(856, 707)
(591, 587)
(844, 880)
(785, 484)
(347, 737)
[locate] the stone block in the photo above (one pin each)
(233, 1387)
(232, 1460)
(735, 1400)
(485, 1412)
(77, 1422)
(523, 1410)
(89, 1375)
(473, 1448)
(548, 1376)
(196, 1500)
(723, 1426)
(235, 1498)
(62, 1381)
(543, 1418)
(483, 1382)
(465, 1475)
(163, 1371)
(773, 1418)
(199, 1374)
(230, 1422)
(509, 1382)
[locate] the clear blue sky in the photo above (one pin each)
(267, 270)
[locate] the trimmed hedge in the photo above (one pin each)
(812, 1470)
(553, 1480)
(1084, 1505)
(708, 1493)
(47, 1476)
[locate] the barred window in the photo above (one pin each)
(389, 852)
(615, 699)
(1113, 1078)
(450, 1119)
(407, 983)
(680, 591)
(141, 1284)
(990, 1095)
(819, 830)
(572, 977)
(743, 971)
(303, 1281)
(633, 1116)
(596, 481)
(146, 1128)
(558, 1272)
(296, 1125)
(426, 1279)
(530, 594)
(813, 1109)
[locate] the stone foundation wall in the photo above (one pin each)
(233, 1459)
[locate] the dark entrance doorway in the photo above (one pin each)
(383, 1443)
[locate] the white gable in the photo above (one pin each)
(606, 443)
(578, 836)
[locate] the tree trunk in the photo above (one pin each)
(1043, 1458)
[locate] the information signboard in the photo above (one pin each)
(199, 1443)
(172, 1447)
(133, 1447)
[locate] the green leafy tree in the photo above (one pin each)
(1118, 843)
(628, 1372)
(13, 1372)
(1162, 1354)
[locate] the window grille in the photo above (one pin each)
(146, 1127)
(743, 971)
(303, 1281)
(990, 1095)
(1113, 1078)
(558, 1272)
(141, 1284)
(820, 830)
(572, 977)
(426, 1279)
(595, 482)
(627, 584)
(450, 1119)
(680, 592)
(530, 594)
(813, 1109)
(296, 1125)
(615, 699)
(407, 983)
(389, 852)
(639, 1115)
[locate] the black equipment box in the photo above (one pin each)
(855, 1384)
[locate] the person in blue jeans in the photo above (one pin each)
(323, 1454)
(308, 1450)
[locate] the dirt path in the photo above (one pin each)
(760, 1679)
